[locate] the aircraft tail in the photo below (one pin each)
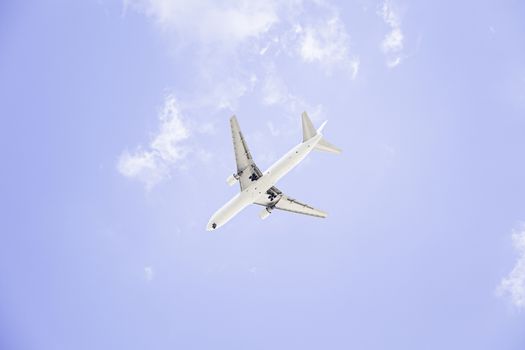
(309, 132)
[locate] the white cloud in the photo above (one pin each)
(513, 286)
(149, 273)
(276, 92)
(227, 22)
(328, 44)
(392, 44)
(153, 164)
(143, 165)
(227, 93)
(273, 130)
(245, 30)
(393, 62)
(393, 41)
(390, 16)
(323, 40)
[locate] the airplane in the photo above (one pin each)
(258, 187)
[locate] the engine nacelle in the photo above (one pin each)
(265, 213)
(232, 179)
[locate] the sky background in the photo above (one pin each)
(116, 145)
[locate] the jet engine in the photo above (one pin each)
(232, 179)
(265, 213)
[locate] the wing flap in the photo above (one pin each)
(275, 199)
(290, 204)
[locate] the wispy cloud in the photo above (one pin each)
(234, 51)
(327, 43)
(229, 22)
(392, 44)
(513, 286)
(154, 163)
(225, 94)
(275, 92)
(220, 36)
(323, 40)
(149, 273)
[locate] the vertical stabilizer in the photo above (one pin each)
(308, 128)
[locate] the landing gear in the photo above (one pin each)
(214, 226)
(271, 194)
(253, 177)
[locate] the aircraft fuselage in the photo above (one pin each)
(260, 186)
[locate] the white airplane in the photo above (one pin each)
(259, 188)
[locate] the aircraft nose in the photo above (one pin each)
(212, 225)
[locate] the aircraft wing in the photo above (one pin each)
(275, 199)
(247, 171)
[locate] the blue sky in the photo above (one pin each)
(116, 147)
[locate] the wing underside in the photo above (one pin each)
(247, 171)
(275, 199)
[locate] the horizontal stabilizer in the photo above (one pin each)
(326, 146)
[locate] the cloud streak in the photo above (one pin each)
(513, 285)
(149, 273)
(276, 92)
(165, 151)
(282, 25)
(328, 44)
(210, 21)
(392, 44)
